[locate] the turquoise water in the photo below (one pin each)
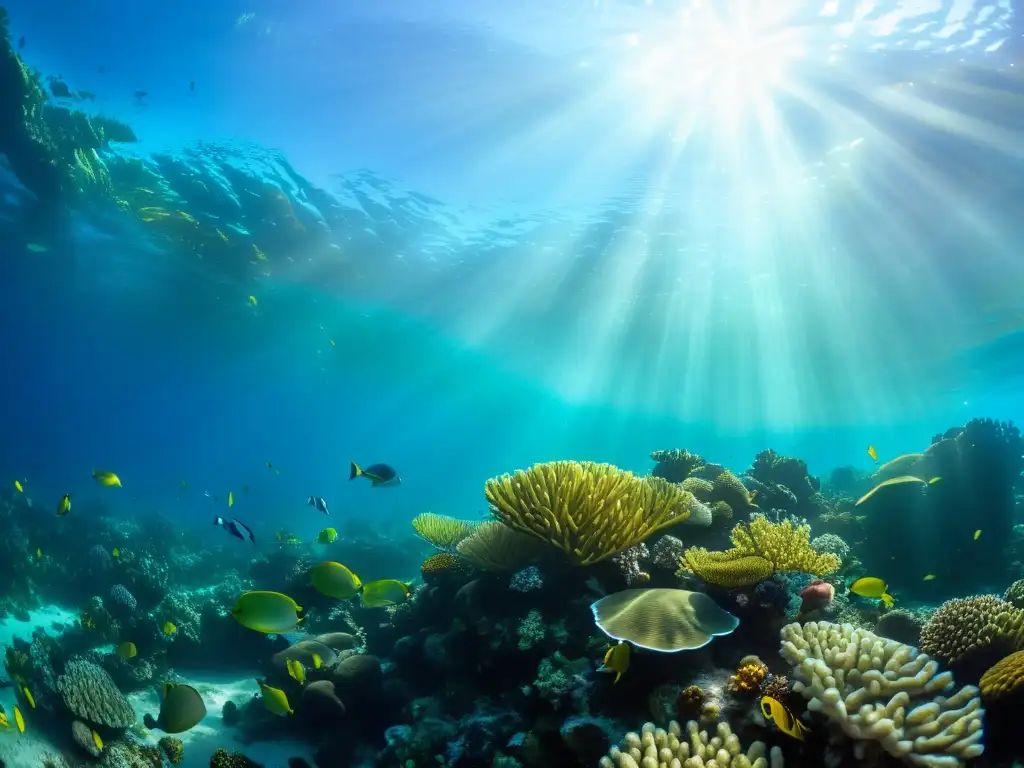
(461, 238)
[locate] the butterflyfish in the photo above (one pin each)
(65, 505)
(327, 536)
(269, 612)
(169, 628)
(774, 710)
(873, 453)
(335, 580)
(385, 592)
(616, 659)
(296, 670)
(127, 650)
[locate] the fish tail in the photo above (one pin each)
(354, 471)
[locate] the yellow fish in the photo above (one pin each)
(317, 661)
(184, 485)
(891, 482)
(127, 650)
(39, 554)
(97, 741)
(774, 710)
(934, 480)
(977, 534)
(4, 721)
(335, 580)
(332, 342)
(252, 300)
(871, 586)
(269, 612)
(18, 719)
(296, 670)
(929, 577)
(231, 499)
(18, 486)
(169, 628)
(616, 659)
(327, 536)
(28, 696)
(275, 700)
(115, 553)
(385, 592)
(108, 479)
(65, 505)
(873, 453)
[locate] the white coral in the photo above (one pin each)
(878, 690)
(660, 748)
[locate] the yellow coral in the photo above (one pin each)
(590, 511)
(964, 626)
(442, 531)
(440, 562)
(699, 487)
(730, 489)
(1005, 678)
(721, 512)
(760, 548)
(749, 675)
(691, 699)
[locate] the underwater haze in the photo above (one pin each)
(252, 244)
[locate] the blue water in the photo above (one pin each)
(545, 264)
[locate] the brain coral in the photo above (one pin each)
(90, 693)
(881, 692)
(965, 625)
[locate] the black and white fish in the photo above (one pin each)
(319, 502)
(379, 474)
(236, 528)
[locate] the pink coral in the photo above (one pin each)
(816, 595)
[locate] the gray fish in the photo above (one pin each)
(180, 709)
(319, 502)
(379, 474)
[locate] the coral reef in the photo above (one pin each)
(883, 693)
(589, 511)
(760, 549)
(661, 748)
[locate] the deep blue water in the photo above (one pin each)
(584, 288)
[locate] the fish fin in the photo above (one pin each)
(617, 676)
(354, 471)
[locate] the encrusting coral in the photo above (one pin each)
(1004, 678)
(749, 675)
(760, 549)
(590, 511)
(881, 691)
(664, 748)
(89, 692)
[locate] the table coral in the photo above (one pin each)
(881, 692)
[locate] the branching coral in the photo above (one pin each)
(884, 693)
(590, 511)
(442, 531)
(760, 548)
(659, 748)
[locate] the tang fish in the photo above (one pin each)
(236, 528)
(772, 709)
(108, 479)
(319, 503)
(379, 474)
(127, 650)
(871, 586)
(335, 580)
(296, 670)
(18, 486)
(275, 700)
(18, 719)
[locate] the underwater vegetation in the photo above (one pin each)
(599, 618)
(694, 616)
